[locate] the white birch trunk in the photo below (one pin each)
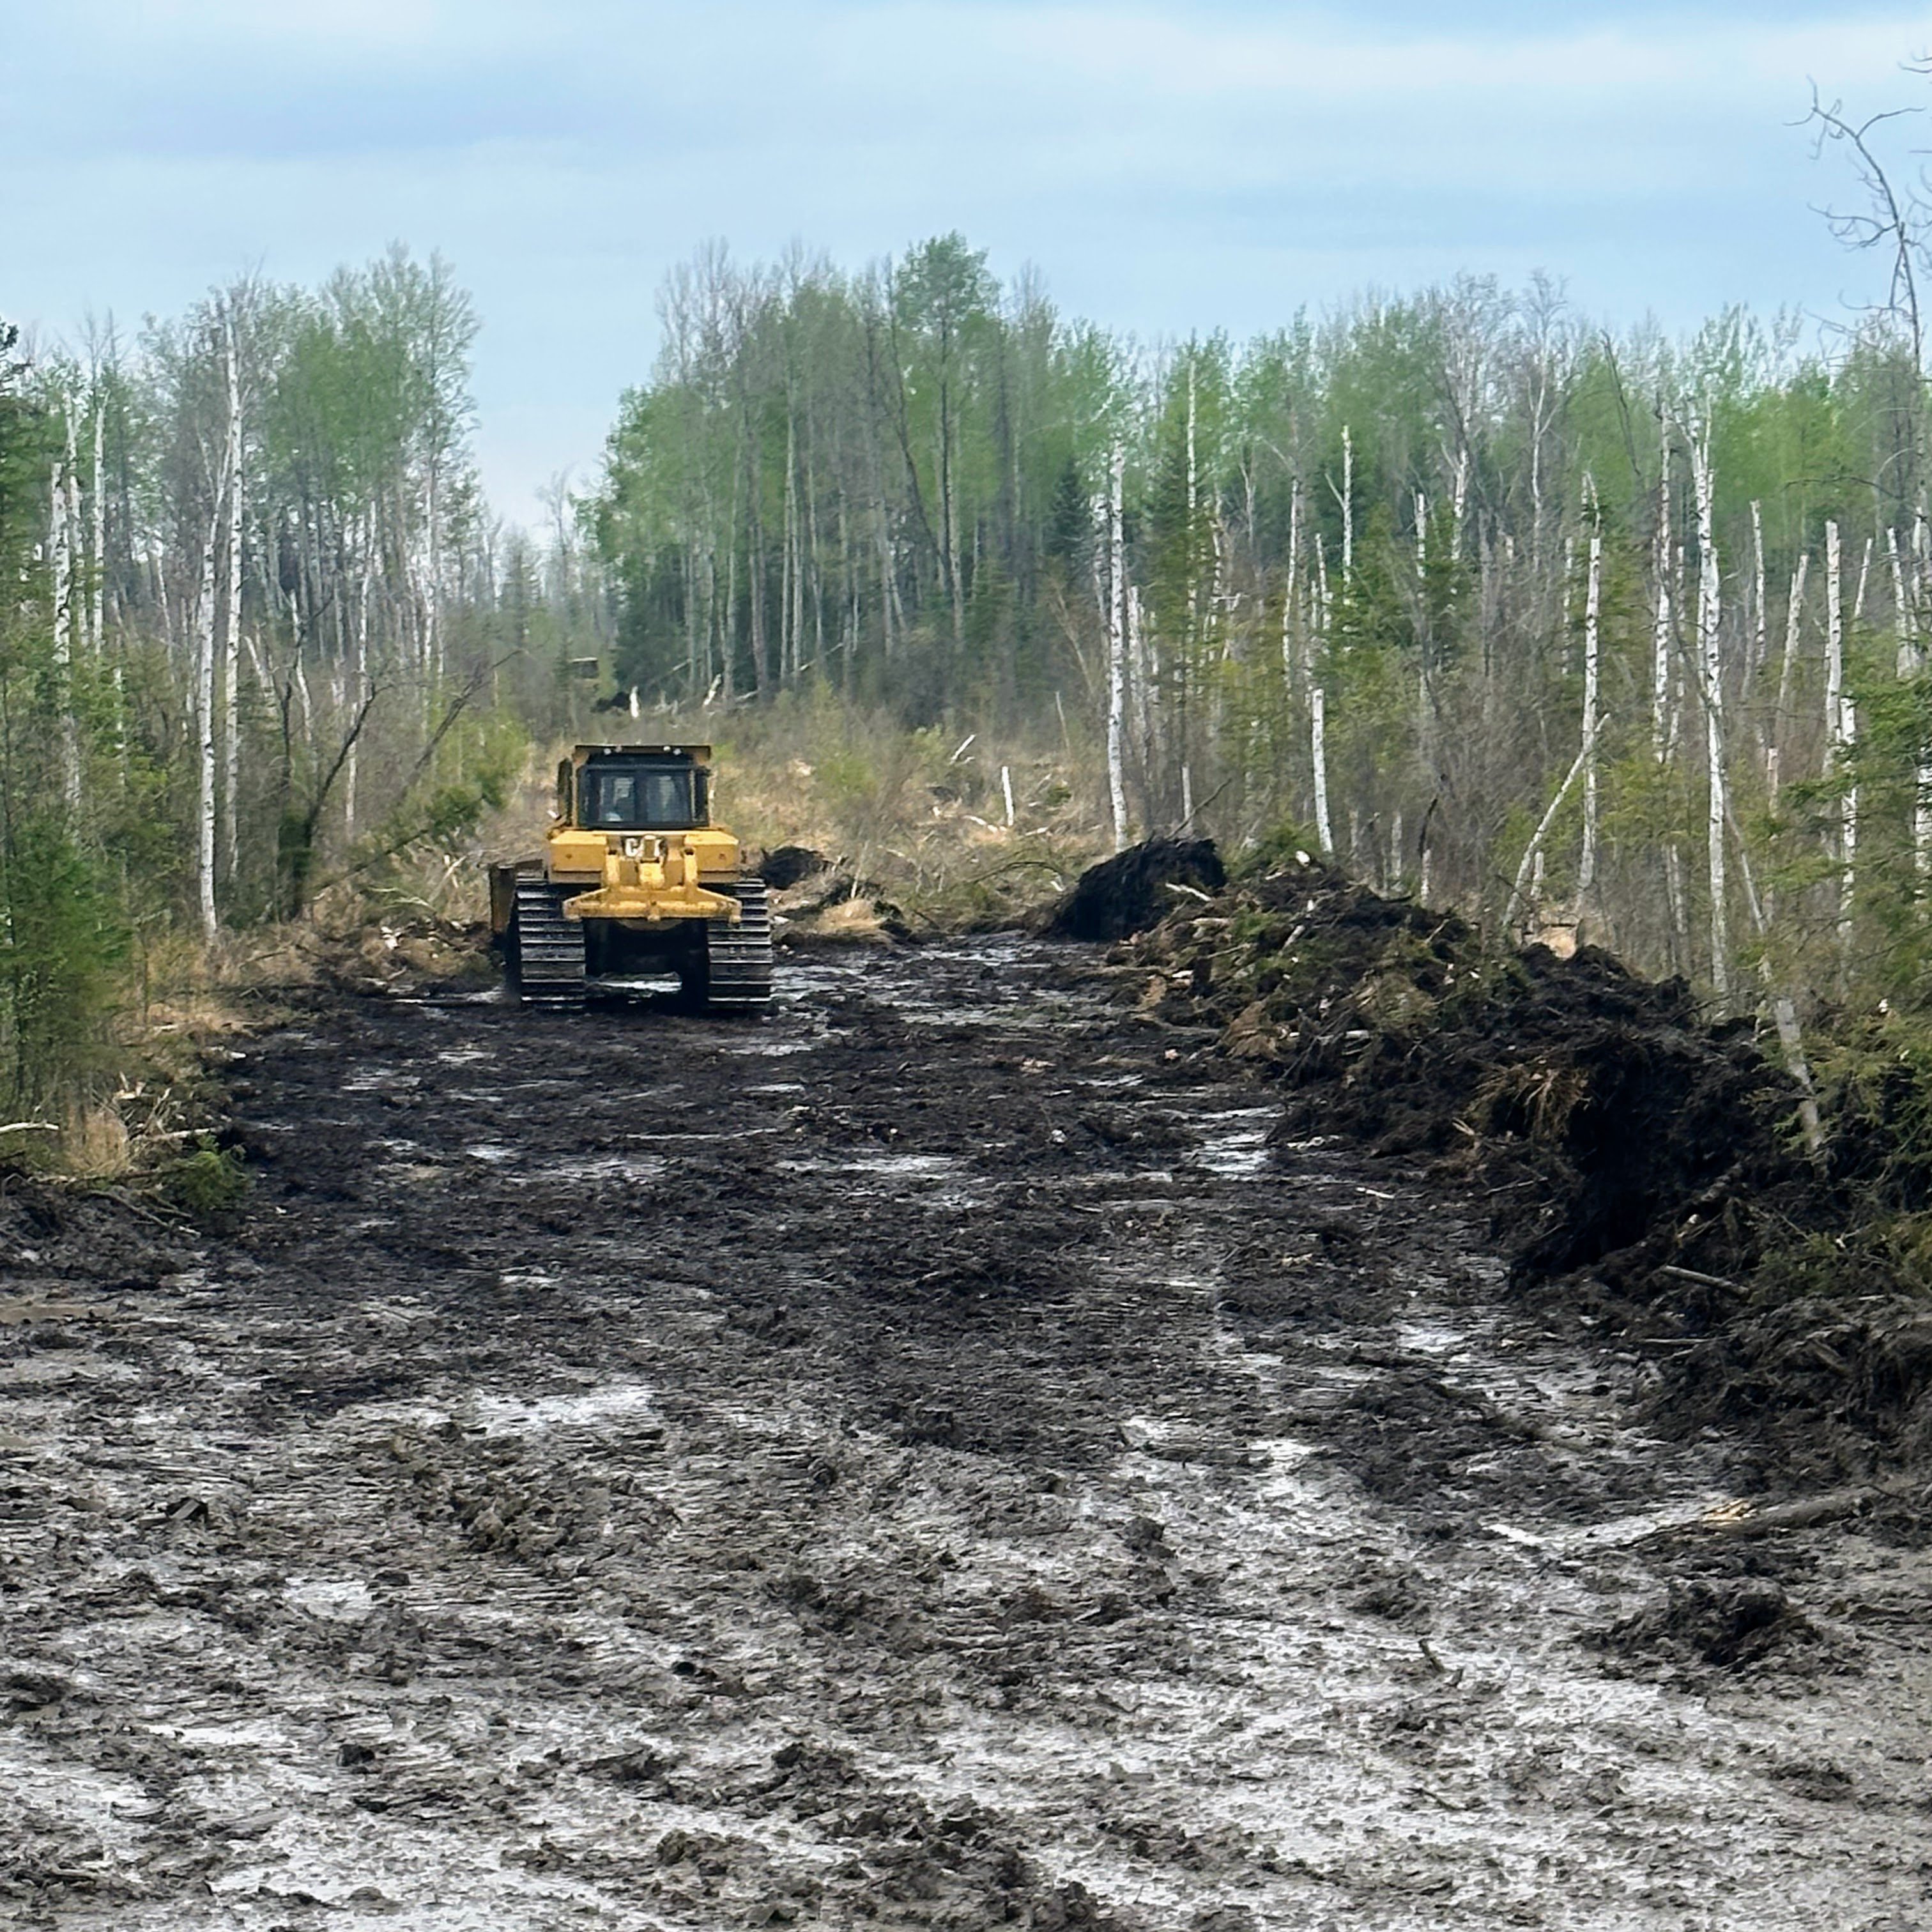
(1593, 601)
(204, 725)
(62, 534)
(1116, 648)
(1193, 503)
(231, 650)
(1840, 725)
(97, 581)
(61, 559)
(1712, 668)
(1761, 635)
(1348, 506)
(76, 552)
(1318, 711)
(1293, 585)
(1660, 632)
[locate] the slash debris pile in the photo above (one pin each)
(1641, 1162)
(1137, 888)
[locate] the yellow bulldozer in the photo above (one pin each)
(633, 879)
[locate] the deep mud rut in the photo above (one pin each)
(922, 1460)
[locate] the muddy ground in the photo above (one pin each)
(933, 1458)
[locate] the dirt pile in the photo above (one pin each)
(1137, 888)
(1729, 1623)
(1603, 1100)
(1640, 1163)
(817, 899)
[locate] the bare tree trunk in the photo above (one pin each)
(1660, 631)
(1141, 674)
(1318, 711)
(62, 533)
(1586, 869)
(1116, 648)
(96, 582)
(204, 722)
(1840, 725)
(1711, 664)
(1348, 507)
(1193, 503)
(1293, 585)
(1761, 633)
(231, 653)
(1662, 731)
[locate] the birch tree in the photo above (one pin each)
(1117, 647)
(1712, 668)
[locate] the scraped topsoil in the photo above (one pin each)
(957, 1453)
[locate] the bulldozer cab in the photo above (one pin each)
(635, 788)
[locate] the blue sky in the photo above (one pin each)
(1166, 167)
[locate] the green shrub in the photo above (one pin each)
(207, 1186)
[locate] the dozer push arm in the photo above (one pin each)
(653, 876)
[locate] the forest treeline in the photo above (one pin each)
(265, 634)
(1491, 605)
(1618, 634)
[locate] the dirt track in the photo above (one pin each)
(924, 1460)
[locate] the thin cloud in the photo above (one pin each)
(1168, 167)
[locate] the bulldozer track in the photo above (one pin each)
(738, 959)
(546, 949)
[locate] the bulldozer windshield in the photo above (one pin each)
(640, 798)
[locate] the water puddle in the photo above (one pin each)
(926, 1170)
(340, 1599)
(639, 1167)
(588, 1409)
(1234, 1142)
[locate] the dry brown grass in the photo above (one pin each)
(919, 816)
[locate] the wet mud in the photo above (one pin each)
(945, 1456)
(1640, 1163)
